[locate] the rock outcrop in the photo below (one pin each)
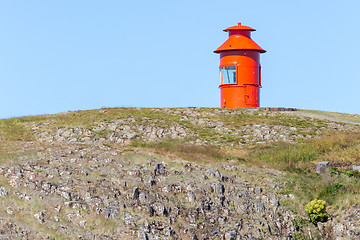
(90, 182)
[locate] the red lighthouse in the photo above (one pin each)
(240, 70)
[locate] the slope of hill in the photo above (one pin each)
(181, 173)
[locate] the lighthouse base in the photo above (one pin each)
(244, 96)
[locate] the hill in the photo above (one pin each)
(178, 173)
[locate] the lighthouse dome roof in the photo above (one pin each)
(239, 27)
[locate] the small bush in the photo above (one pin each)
(316, 210)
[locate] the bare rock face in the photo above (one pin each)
(181, 202)
(92, 181)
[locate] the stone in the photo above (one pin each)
(218, 174)
(150, 181)
(10, 211)
(128, 218)
(338, 229)
(136, 193)
(231, 235)
(82, 223)
(111, 212)
(222, 220)
(224, 179)
(151, 211)
(321, 166)
(259, 207)
(169, 231)
(356, 168)
(219, 188)
(159, 209)
(159, 169)
(191, 197)
(190, 187)
(258, 190)
(40, 217)
(66, 195)
(142, 235)
(143, 197)
(3, 192)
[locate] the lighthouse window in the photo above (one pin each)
(227, 75)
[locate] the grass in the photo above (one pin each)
(90, 118)
(12, 151)
(353, 117)
(337, 147)
(182, 149)
(239, 120)
(293, 121)
(335, 190)
(330, 190)
(14, 130)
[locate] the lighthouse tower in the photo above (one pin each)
(240, 69)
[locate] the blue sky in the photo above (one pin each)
(65, 55)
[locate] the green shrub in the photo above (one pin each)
(349, 173)
(353, 173)
(329, 191)
(316, 210)
(299, 224)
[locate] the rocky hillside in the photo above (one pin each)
(182, 173)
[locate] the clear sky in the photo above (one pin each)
(65, 55)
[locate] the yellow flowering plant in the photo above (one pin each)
(316, 210)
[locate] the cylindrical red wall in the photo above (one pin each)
(245, 93)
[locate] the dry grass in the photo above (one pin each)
(90, 118)
(13, 151)
(181, 149)
(337, 147)
(353, 117)
(14, 130)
